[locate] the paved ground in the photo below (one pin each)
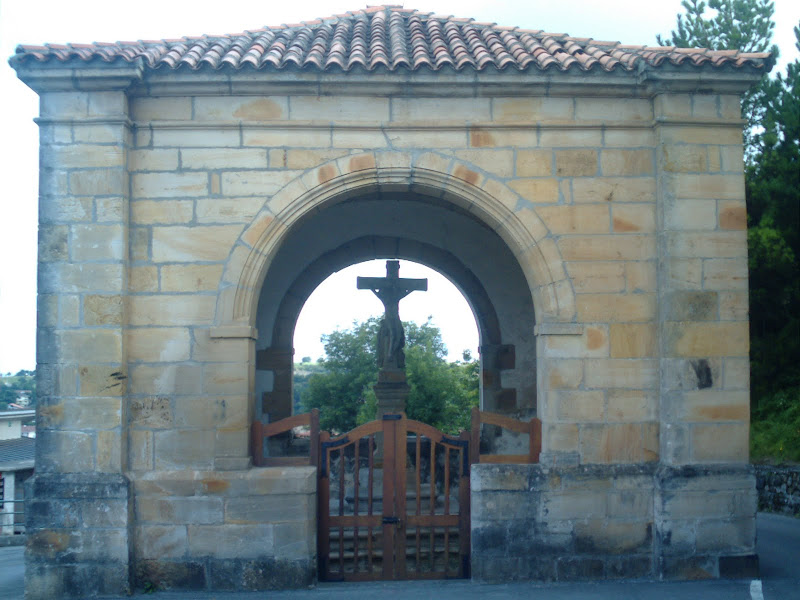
(778, 548)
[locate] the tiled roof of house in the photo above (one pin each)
(17, 453)
(393, 38)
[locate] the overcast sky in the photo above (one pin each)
(37, 22)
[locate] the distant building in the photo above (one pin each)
(16, 465)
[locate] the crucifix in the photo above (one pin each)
(390, 290)
(391, 389)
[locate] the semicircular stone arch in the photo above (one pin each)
(437, 177)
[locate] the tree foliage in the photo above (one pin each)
(12, 385)
(744, 25)
(442, 394)
(773, 204)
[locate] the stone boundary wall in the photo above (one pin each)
(778, 489)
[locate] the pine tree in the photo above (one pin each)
(744, 25)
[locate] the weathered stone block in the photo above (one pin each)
(601, 536)
(140, 450)
(582, 218)
(627, 162)
(534, 163)
(706, 446)
(98, 182)
(600, 109)
(180, 511)
(155, 344)
(102, 310)
(593, 342)
(681, 214)
(538, 191)
(619, 443)
(260, 574)
(532, 109)
(272, 509)
(632, 340)
(692, 306)
(229, 158)
(184, 448)
(151, 412)
(621, 373)
(169, 185)
(632, 218)
(91, 345)
(225, 108)
(630, 406)
(203, 412)
(576, 163)
(689, 339)
(161, 212)
(725, 273)
(615, 307)
(607, 247)
(231, 541)
(171, 310)
(163, 574)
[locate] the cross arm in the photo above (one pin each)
(375, 283)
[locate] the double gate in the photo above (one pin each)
(393, 503)
(394, 493)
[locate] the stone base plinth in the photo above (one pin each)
(531, 522)
(391, 392)
(78, 535)
(244, 530)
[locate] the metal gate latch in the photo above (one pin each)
(392, 521)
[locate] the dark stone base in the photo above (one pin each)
(739, 567)
(77, 535)
(215, 574)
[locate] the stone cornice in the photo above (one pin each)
(80, 76)
(140, 81)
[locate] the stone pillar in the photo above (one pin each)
(78, 511)
(7, 507)
(705, 492)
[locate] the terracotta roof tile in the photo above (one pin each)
(390, 37)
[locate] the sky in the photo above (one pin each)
(82, 21)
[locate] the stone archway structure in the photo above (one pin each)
(354, 221)
(192, 191)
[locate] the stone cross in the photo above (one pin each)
(390, 290)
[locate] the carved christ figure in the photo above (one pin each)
(390, 290)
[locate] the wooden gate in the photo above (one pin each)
(393, 503)
(393, 494)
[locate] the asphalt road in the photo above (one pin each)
(778, 548)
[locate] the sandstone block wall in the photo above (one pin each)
(160, 217)
(596, 522)
(233, 530)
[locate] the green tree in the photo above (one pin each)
(441, 393)
(744, 25)
(773, 205)
(350, 371)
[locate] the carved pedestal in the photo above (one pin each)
(391, 391)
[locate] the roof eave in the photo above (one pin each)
(701, 79)
(17, 465)
(78, 74)
(136, 76)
